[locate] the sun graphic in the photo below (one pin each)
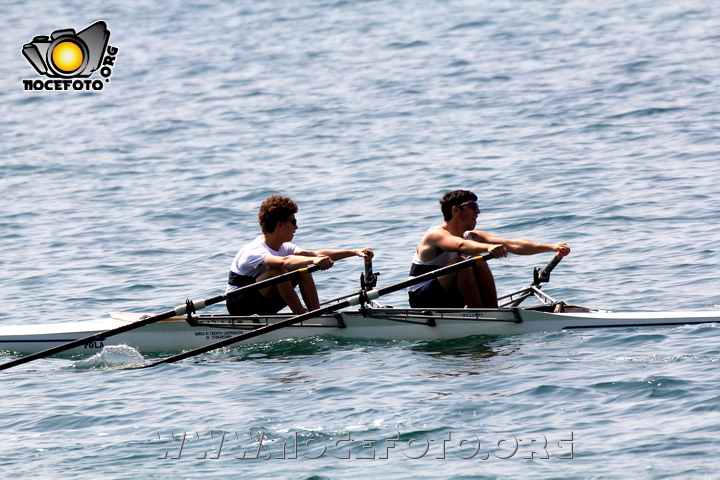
(67, 56)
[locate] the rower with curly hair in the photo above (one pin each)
(272, 254)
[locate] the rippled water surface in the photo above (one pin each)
(594, 124)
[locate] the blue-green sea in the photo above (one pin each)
(591, 123)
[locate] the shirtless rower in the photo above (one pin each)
(448, 243)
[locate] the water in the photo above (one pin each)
(590, 124)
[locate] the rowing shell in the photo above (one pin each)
(178, 333)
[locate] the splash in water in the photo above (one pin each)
(112, 356)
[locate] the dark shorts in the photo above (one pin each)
(433, 295)
(253, 302)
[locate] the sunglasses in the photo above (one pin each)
(293, 221)
(472, 204)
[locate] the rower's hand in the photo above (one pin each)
(498, 251)
(365, 253)
(323, 262)
(562, 248)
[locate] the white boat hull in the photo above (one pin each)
(175, 334)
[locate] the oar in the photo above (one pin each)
(181, 310)
(362, 297)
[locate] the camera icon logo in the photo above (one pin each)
(67, 54)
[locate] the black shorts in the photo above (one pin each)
(433, 295)
(253, 302)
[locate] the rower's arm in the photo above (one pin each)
(336, 254)
(448, 242)
(519, 246)
(294, 262)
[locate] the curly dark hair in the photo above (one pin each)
(453, 199)
(275, 208)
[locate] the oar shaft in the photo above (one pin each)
(178, 311)
(455, 267)
(355, 300)
(82, 341)
(253, 333)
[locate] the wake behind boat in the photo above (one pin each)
(182, 332)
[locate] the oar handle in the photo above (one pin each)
(544, 274)
(368, 280)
